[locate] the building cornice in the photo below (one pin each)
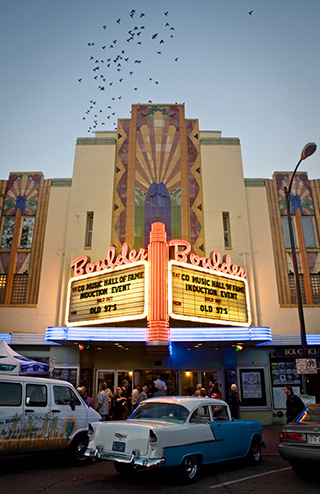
(61, 182)
(96, 141)
(220, 141)
(254, 182)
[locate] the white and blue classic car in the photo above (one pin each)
(183, 432)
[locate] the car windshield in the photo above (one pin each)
(160, 411)
(310, 414)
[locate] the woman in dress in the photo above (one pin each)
(120, 404)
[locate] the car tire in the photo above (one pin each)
(299, 469)
(254, 455)
(190, 469)
(125, 468)
(77, 449)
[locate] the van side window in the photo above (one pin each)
(10, 394)
(63, 395)
(36, 395)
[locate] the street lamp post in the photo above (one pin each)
(307, 151)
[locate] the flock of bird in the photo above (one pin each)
(116, 63)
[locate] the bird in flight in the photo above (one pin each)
(118, 21)
(250, 13)
(166, 13)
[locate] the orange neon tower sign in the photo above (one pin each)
(158, 315)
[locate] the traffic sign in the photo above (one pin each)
(306, 365)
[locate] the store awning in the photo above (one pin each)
(12, 363)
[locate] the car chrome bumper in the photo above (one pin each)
(133, 459)
(300, 453)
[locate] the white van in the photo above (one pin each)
(39, 414)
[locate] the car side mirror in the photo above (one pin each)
(72, 405)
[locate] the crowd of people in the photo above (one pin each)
(118, 404)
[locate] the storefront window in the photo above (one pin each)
(66, 374)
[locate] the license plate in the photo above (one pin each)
(118, 446)
(313, 438)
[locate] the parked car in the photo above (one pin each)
(183, 432)
(300, 440)
(38, 414)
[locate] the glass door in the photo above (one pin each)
(104, 376)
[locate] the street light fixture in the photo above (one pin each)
(307, 151)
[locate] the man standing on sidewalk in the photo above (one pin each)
(294, 404)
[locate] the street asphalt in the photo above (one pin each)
(271, 439)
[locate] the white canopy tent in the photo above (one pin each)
(12, 363)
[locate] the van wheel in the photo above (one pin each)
(190, 468)
(254, 455)
(77, 449)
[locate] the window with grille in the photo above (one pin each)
(22, 230)
(292, 286)
(315, 285)
(19, 289)
(3, 280)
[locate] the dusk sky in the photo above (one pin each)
(249, 68)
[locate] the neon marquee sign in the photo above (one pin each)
(166, 280)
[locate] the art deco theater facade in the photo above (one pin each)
(158, 257)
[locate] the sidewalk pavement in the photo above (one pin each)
(271, 439)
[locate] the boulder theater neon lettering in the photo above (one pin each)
(181, 253)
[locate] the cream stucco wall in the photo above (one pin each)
(224, 191)
(92, 190)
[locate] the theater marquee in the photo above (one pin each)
(165, 281)
(196, 294)
(111, 295)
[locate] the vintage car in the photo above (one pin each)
(183, 432)
(300, 441)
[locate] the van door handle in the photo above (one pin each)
(56, 411)
(27, 410)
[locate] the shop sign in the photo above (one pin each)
(200, 295)
(297, 352)
(109, 296)
(306, 365)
